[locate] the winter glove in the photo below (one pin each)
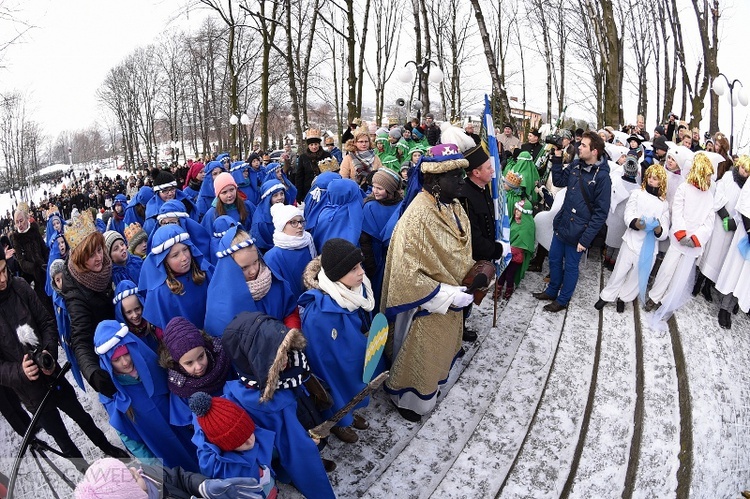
(688, 242)
(729, 224)
(101, 381)
(498, 251)
(462, 299)
(231, 488)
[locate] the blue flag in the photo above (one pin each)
(502, 221)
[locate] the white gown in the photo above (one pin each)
(726, 195)
(734, 276)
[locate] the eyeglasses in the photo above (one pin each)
(169, 190)
(296, 223)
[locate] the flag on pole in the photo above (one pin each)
(502, 220)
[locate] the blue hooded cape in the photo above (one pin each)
(63, 329)
(206, 195)
(262, 228)
(198, 234)
(335, 348)
(161, 305)
(317, 198)
(143, 196)
(289, 264)
(376, 216)
(51, 231)
(229, 294)
(124, 289)
(221, 225)
(216, 463)
(231, 211)
(114, 223)
(148, 398)
(154, 206)
(342, 214)
(131, 270)
(271, 169)
(54, 254)
(248, 180)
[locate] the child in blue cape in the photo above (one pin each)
(229, 444)
(272, 366)
(335, 320)
(221, 225)
(124, 265)
(379, 207)
(207, 194)
(230, 202)
(128, 303)
(173, 212)
(342, 215)
(135, 211)
(193, 181)
(55, 228)
(250, 177)
(139, 411)
(276, 171)
(165, 189)
(317, 198)
(242, 281)
(273, 192)
(293, 247)
(137, 240)
(175, 278)
(117, 221)
(195, 362)
(58, 249)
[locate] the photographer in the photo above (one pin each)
(28, 341)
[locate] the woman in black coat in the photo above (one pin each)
(88, 292)
(307, 164)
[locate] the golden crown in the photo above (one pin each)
(78, 228)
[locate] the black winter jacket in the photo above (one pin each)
(31, 253)
(481, 212)
(307, 169)
(19, 305)
(87, 308)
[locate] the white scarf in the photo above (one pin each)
(285, 241)
(261, 284)
(350, 299)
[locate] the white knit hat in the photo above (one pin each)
(282, 213)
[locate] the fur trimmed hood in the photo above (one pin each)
(310, 275)
(259, 346)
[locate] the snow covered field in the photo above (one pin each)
(580, 403)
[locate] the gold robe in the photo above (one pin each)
(429, 247)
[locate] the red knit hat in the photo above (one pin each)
(225, 423)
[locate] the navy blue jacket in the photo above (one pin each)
(575, 222)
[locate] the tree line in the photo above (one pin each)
(281, 66)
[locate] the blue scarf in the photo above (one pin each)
(646, 257)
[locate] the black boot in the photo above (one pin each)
(600, 304)
(699, 280)
(620, 306)
(723, 314)
(706, 290)
(535, 265)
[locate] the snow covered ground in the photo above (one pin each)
(580, 403)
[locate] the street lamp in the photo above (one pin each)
(434, 76)
(245, 120)
(720, 87)
(233, 120)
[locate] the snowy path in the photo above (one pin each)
(531, 413)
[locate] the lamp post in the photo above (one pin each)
(233, 120)
(720, 87)
(423, 69)
(245, 120)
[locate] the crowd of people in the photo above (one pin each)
(221, 309)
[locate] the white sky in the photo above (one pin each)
(64, 59)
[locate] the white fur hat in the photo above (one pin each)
(282, 213)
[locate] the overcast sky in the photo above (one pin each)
(64, 59)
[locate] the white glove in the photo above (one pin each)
(461, 299)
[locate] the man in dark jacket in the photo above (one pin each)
(477, 201)
(22, 314)
(31, 254)
(431, 129)
(583, 214)
(533, 146)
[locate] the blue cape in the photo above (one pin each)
(228, 294)
(216, 463)
(299, 457)
(335, 348)
(220, 227)
(63, 329)
(342, 214)
(54, 254)
(271, 169)
(51, 230)
(262, 228)
(161, 304)
(317, 198)
(143, 196)
(374, 223)
(289, 264)
(198, 234)
(207, 195)
(131, 271)
(149, 398)
(232, 212)
(155, 204)
(249, 180)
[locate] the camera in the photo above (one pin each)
(555, 140)
(30, 342)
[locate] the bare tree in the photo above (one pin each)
(387, 37)
(707, 14)
(20, 139)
